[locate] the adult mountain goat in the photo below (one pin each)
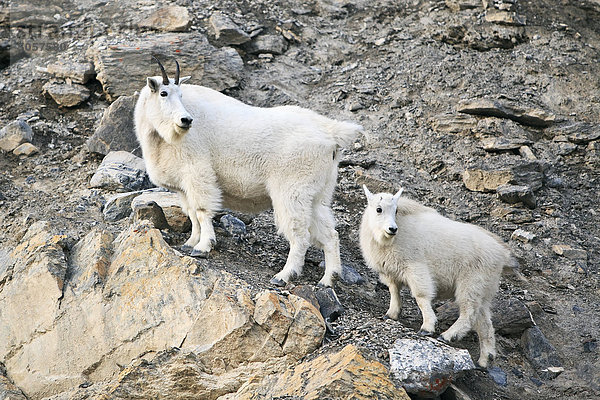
(410, 244)
(216, 151)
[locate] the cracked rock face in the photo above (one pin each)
(130, 297)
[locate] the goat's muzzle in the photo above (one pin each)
(185, 123)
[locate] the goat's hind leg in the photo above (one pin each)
(292, 216)
(486, 335)
(463, 324)
(323, 235)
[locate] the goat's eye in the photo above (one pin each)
(164, 94)
(379, 210)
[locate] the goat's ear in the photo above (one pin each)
(367, 193)
(184, 79)
(398, 194)
(153, 84)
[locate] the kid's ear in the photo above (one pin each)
(397, 195)
(367, 193)
(184, 79)
(153, 84)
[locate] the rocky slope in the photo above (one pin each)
(486, 111)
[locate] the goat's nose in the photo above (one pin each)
(185, 121)
(393, 230)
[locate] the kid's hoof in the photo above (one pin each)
(423, 332)
(186, 249)
(277, 282)
(199, 254)
(441, 339)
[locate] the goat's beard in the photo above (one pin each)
(382, 237)
(171, 133)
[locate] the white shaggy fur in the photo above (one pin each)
(245, 158)
(410, 244)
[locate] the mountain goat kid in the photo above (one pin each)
(410, 244)
(216, 151)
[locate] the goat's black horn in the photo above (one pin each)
(177, 73)
(162, 70)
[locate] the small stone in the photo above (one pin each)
(479, 180)
(14, 134)
(454, 123)
(66, 95)
(458, 5)
(569, 252)
(355, 106)
(350, 276)
(525, 152)
(119, 206)
(25, 149)
(226, 30)
(505, 17)
(274, 44)
(169, 202)
(522, 236)
(168, 19)
(513, 194)
(503, 144)
(590, 346)
(329, 304)
(233, 225)
(153, 213)
(498, 375)
(75, 71)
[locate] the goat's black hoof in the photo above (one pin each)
(277, 282)
(441, 339)
(423, 332)
(199, 254)
(186, 248)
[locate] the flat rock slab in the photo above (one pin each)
(492, 108)
(66, 95)
(124, 64)
(167, 19)
(116, 131)
(426, 366)
(78, 72)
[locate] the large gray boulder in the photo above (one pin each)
(116, 129)
(123, 64)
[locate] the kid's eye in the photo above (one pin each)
(379, 210)
(164, 94)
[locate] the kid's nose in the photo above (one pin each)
(392, 230)
(185, 121)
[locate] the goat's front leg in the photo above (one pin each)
(207, 234)
(423, 290)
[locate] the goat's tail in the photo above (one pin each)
(513, 268)
(343, 132)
